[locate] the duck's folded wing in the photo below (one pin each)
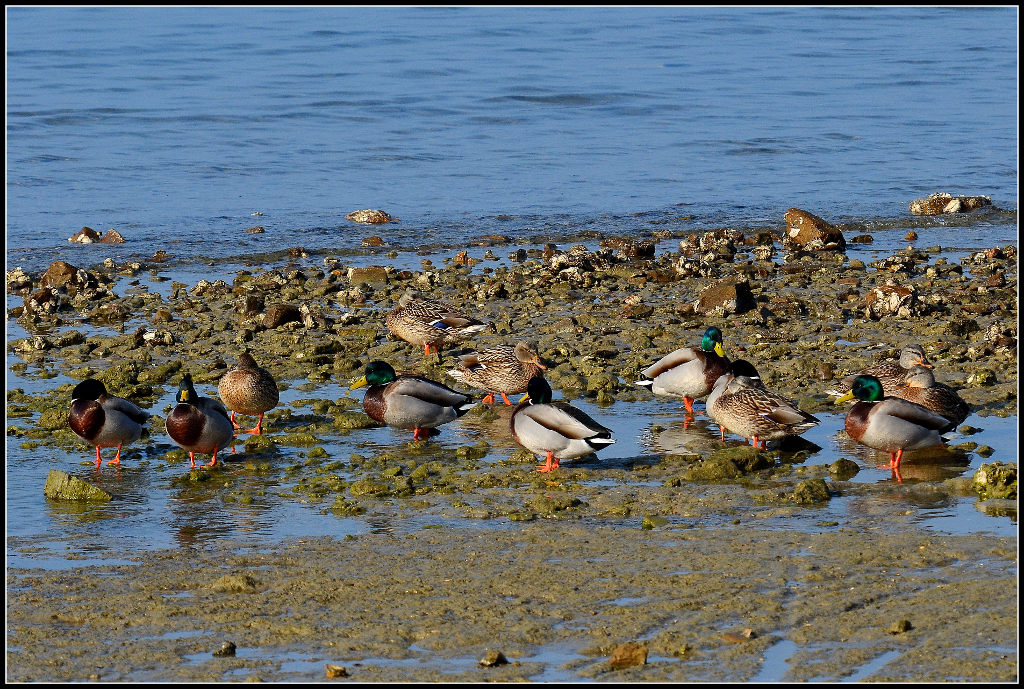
(427, 390)
(914, 413)
(565, 419)
(128, 409)
(670, 361)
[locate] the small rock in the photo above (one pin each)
(279, 314)
(811, 491)
(226, 650)
(370, 275)
(891, 299)
(62, 486)
(983, 378)
(996, 480)
(494, 658)
(941, 202)
(234, 583)
(729, 296)
(843, 468)
(627, 655)
(648, 523)
(335, 671)
(112, 236)
(256, 229)
(370, 217)
(58, 274)
(808, 232)
(373, 241)
(900, 627)
(86, 235)
(911, 236)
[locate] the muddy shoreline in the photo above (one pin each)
(680, 550)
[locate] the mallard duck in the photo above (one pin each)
(409, 401)
(740, 367)
(890, 424)
(920, 387)
(555, 429)
(104, 420)
(748, 409)
(505, 369)
(248, 389)
(687, 372)
(199, 424)
(891, 373)
(429, 323)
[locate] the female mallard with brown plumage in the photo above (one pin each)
(890, 424)
(688, 372)
(248, 389)
(504, 369)
(557, 430)
(409, 401)
(430, 324)
(920, 387)
(104, 420)
(745, 407)
(199, 424)
(890, 373)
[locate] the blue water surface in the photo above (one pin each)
(173, 125)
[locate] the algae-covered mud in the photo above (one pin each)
(555, 598)
(332, 541)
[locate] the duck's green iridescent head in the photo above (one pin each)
(377, 373)
(186, 390)
(712, 341)
(538, 390)
(867, 389)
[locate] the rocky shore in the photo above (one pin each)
(600, 310)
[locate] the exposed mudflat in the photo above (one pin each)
(726, 563)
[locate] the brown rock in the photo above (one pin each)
(372, 275)
(941, 202)
(86, 235)
(373, 241)
(628, 248)
(370, 217)
(627, 655)
(911, 236)
(112, 236)
(256, 229)
(59, 274)
(808, 232)
(335, 671)
(730, 295)
(279, 314)
(892, 300)
(493, 659)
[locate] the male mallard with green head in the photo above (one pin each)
(104, 420)
(199, 424)
(557, 430)
(504, 369)
(248, 389)
(409, 401)
(890, 424)
(688, 372)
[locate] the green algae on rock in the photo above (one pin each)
(62, 486)
(996, 480)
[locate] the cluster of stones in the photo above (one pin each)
(941, 202)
